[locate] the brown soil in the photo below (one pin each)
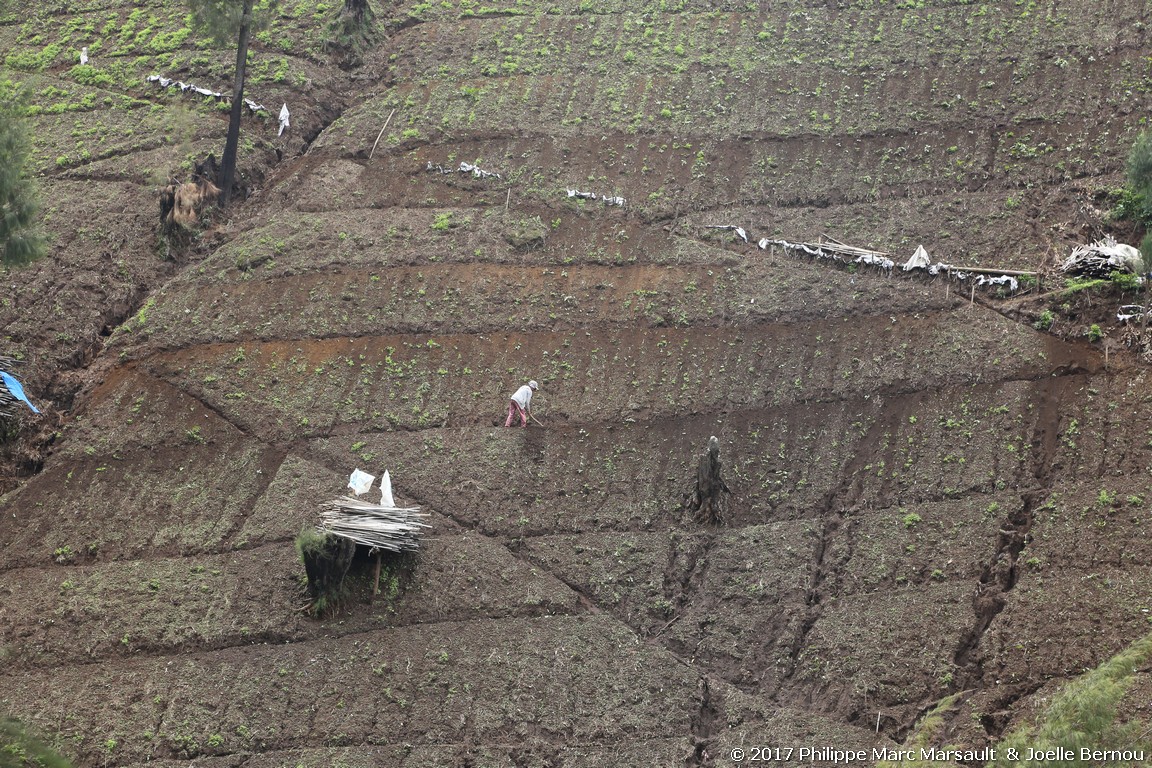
(930, 495)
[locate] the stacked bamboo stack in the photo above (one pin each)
(855, 254)
(396, 529)
(1103, 257)
(9, 405)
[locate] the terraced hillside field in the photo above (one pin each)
(929, 495)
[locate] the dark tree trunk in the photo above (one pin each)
(357, 10)
(228, 163)
(708, 497)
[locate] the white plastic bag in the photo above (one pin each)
(360, 482)
(386, 499)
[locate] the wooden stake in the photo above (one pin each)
(972, 298)
(381, 134)
(376, 588)
(507, 199)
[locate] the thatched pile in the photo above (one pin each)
(1103, 257)
(396, 529)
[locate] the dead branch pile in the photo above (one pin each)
(397, 529)
(184, 204)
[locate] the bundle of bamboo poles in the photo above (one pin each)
(396, 529)
(1101, 258)
(9, 405)
(1091, 264)
(835, 246)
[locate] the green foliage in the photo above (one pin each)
(1083, 715)
(522, 232)
(1094, 333)
(1140, 177)
(220, 19)
(34, 61)
(166, 42)
(352, 30)
(1078, 284)
(1044, 322)
(310, 542)
(1128, 204)
(19, 749)
(86, 74)
(20, 239)
(1146, 248)
(1126, 281)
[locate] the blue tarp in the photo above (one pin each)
(16, 389)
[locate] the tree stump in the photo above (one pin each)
(359, 11)
(326, 562)
(708, 500)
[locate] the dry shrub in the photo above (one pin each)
(183, 205)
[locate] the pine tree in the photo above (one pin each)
(1084, 715)
(352, 31)
(225, 21)
(20, 749)
(20, 239)
(1139, 173)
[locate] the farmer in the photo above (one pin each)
(521, 403)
